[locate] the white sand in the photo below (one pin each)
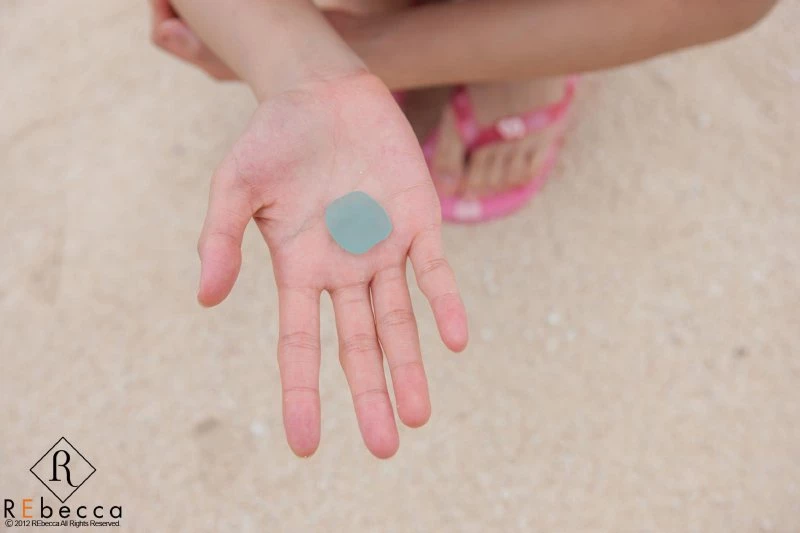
(635, 362)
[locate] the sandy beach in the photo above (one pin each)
(634, 364)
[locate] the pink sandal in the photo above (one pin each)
(474, 136)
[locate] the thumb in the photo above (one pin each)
(220, 244)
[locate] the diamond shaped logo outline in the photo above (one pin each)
(64, 500)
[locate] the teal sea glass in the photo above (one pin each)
(357, 222)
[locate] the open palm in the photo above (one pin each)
(302, 150)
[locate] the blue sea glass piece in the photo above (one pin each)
(357, 222)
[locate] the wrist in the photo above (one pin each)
(311, 52)
(359, 85)
(266, 81)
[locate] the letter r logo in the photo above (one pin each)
(65, 454)
(63, 469)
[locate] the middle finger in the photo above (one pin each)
(362, 361)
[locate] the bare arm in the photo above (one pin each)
(273, 45)
(505, 39)
(324, 128)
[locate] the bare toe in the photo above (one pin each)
(525, 164)
(501, 173)
(478, 170)
(516, 167)
(448, 160)
(488, 179)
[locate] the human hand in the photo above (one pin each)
(302, 150)
(170, 33)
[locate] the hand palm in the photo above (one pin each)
(302, 151)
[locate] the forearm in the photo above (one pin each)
(273, 45)
(506, 39)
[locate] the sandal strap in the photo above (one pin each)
(466, 123)
(507, 128)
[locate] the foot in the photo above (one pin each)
(502, 166)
